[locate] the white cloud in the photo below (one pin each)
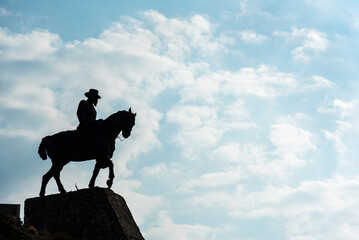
(345, 108)
(216, 179)
(237, 116)
(314, 42)
(229, 152)
(194, 141)
(252, 160)
(318, 82)
(237, 162)
(165, 228)
(290, 139)
(292, 144)
(182, 37)
(337, 138)
(198, 128)
(249, 36)
(156, 171)
(203, 88)
(264, 81)
(191, 117)
(30, 112)
(314, 209)
(4, 12)
(141, 206)
(129, 38)
(342, 108)
(39, 44)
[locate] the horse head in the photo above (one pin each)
(127, 123)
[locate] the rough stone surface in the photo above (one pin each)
(86, 214)
(10, 209)
(12, 229)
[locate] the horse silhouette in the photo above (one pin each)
(98, 143)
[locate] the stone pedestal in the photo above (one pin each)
(87, 214)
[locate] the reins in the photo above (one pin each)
(121, 137)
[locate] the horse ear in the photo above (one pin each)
(129, 110)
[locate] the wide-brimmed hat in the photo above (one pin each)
(92, 93)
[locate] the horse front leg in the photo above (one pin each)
(57, 178)
(45, 179)
(96, 170)
(103, 162)
(94, 175)
(111, 174)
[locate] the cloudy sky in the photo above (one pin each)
(247, 111)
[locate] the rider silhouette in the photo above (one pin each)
(86, 112)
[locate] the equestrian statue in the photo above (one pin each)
(93, 139)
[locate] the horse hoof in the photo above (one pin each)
(42, 194)
(109, 183)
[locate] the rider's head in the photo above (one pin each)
(93, 96)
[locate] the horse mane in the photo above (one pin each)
(114, 115)
(109, 118)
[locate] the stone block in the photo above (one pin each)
(10, 209)
(87, 214)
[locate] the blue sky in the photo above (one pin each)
(247, 111)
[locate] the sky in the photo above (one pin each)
(247, 111)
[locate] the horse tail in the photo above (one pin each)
(43, 147)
